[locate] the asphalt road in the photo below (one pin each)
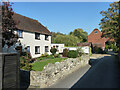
(71, 79)
(103, 74)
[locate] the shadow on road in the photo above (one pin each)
(104, 73)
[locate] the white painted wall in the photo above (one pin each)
(60, 47)
(85, 48)
(29, 40)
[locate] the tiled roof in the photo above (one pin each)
(30, 25)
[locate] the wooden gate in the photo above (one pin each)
(10, 70)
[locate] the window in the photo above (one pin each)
(46, 37)
(37, 36)
(96, 32)
(57, 46)
(46, 49)
(20, 33)
(37, 49)
(28, 49)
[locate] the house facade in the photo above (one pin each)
(33, 36)
(96, 39)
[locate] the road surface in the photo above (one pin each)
(104, 74)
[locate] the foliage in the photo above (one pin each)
(110, 23)
(25, 64)
(38, 66)
(80, 51)
(68, 40)
(8, 25)
(72, 54)
(77, 36)
(56, 55)
(90, 51)
(82, 35)
(97, 50)
(65, 52)
(53, 50)
(115, 48)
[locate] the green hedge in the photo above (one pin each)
(72, 54)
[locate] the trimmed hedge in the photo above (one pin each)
(72, 54)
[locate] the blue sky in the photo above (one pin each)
(64, 17)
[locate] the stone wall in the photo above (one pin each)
(53, 72)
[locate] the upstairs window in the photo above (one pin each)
(37, 36)
(46, 49)
(96, 32)
(20, 33)
(37, 49)
(46, 37)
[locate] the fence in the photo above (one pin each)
(9, 70)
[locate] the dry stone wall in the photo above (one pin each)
(53, 72)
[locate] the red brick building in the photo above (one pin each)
(96, 39)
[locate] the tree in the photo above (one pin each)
(82, 35)
(110, 23)
(8, 25)
(68, 40)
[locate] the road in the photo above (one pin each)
(71, 79)
(104, 74)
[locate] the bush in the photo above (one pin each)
(53, 51)
(115, 48)
(80, 51)
(65, 52)
(97, 50)
(72, 54)
(56, 55)
(25, 64)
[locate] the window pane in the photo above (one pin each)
(37, 49)
(46, 49)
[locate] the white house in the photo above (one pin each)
(34, 37)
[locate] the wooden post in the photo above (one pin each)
(119, 33)
(0, 47)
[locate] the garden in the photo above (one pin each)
(37, 64)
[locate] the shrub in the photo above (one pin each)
(65, 52)
(46, 55)
(80, 51)
(53, 51)
(72, 54)
(56, 55)
(25, 64)
(115, 48)
(97, 50)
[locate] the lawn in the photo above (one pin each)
(43, 58)
(39, 65)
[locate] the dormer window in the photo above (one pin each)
(46, 37)
(37, 36)
(96, 32)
